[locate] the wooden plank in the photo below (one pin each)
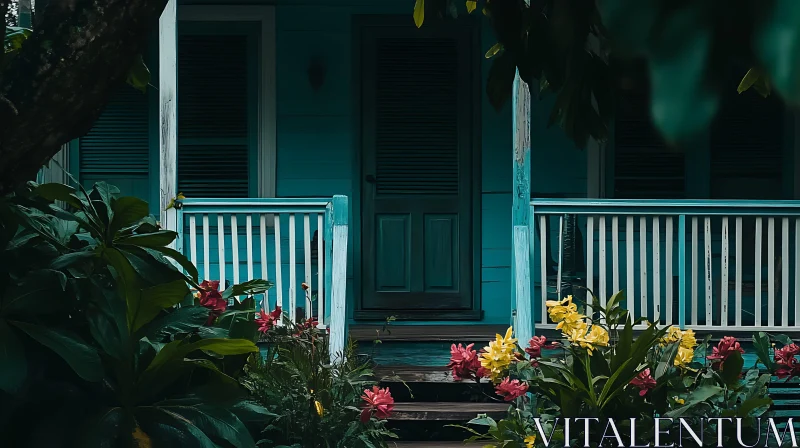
(339, 280)
(525, 325)
(447, 411)
(629, 289)
(417, 374)
(168, 113)
(479, 333)
(521, 188)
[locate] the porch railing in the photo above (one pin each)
(298, 244)
(732, 265)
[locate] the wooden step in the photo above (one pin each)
(446, 411)
(418, 374)
(427, 333)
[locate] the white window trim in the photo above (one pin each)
(267, 129)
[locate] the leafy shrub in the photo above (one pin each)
(602, 370)
(93, 350)
(311, 401)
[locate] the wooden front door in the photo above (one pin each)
(417, 155)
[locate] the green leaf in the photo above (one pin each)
(179, 258)
(172, 429)
(699, 395)
(80, 357)
(139, 75)
(153, 240)
(13, 366)
(35, 293)
(185, 319)
(103, 430)
(128, 210)
(218, 424)
(59, 192)
(471, 5)
(752, 404)
(106, 315)
(247, 288)
(496, 48)
(14, 38)
(157, 298)
(419, 12)
(783, 339)
(761, 345)
(68, 260)
(732, 369)
(749, 79)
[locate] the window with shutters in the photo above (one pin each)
(117, 147)
(747, 144)
(644, 165)
(217, 110)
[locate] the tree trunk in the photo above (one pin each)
(58, 84)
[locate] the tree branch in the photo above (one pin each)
(80, 52)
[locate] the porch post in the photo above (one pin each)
(338, 269)
(521, 306)
(168, 112)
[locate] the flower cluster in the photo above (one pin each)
(266, 321)
(787, 365)
(574, 327)
(465, 363)
(687, 341)
(724, 348)
(535, 346)
(210, 297)
(378, 401)
(498, 356)
(644, 382)
(510, 389)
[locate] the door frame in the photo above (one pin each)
(476, 311)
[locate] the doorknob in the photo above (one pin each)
(370, 178)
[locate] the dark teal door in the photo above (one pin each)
(417, 168)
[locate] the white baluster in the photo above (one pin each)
(235, 248)
(206, 249)
(221, 250)
(543, 237)
(307, 262)
(797, 272)
(785, 272)
(643, 262)
(560, 255)
(656, 269)
(668, 273)
(292, 269)
(630, 292)
(695, 243)
(709, 291)
(738, 271)
(320, 271)
(602, 261)
(759, 236)
(589, 260)
(771, 272)
(725, 267)
(278, 274)
(193, 239)
(250, 255)
(264, 261)
(615, 254)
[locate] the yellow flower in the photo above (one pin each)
(674, 334)
(577, 332)
(529, 441)
(598, 336)
(558, 310)
(569, 322)
(688, 339)
(498, 355)
(680, 401)
(320, 410)
(684, 356)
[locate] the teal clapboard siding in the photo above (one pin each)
(117, 148)
(217, 110)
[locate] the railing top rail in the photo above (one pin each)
(254, 205)
(696, 207)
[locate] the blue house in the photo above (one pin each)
(353, 159)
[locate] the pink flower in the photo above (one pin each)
(644, 381)
(464, 362)
(787, 363)
(377, 400)
(535, 346)
(511, 389)
(211, 298)
(267, 321)
(724, 348)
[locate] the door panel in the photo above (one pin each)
(417, 156)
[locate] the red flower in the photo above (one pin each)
(644, 381)
(267, 321)
(211, 298)
(724, 348)
(464, 362)
(535, 346)
(511, 389)
(787, 363)
(377, 400)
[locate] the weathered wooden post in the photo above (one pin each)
(168, 113)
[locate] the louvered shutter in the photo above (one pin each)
(116, 149)
(644, 166)
(747, 140)
(417, 116)
(214, 122)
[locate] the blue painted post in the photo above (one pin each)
(521, 199)
(339, 273)
(525, 325)
(681, 271)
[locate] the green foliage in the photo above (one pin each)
(310, 401)
(658, 372)
(93, 351)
